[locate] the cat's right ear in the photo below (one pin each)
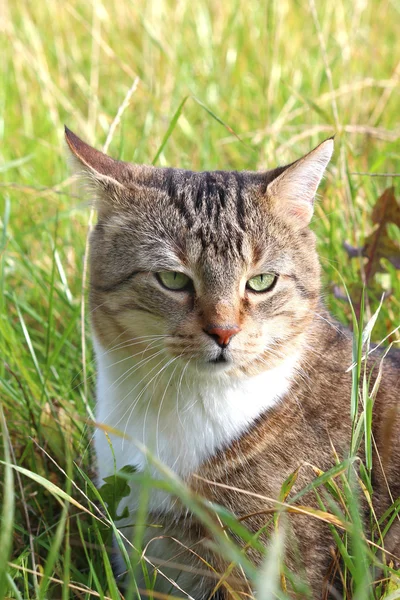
(294, 189)
(107, 178)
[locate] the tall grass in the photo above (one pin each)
(199, 85)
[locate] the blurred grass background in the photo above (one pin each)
(195, 84)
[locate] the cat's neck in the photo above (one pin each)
(184, 417)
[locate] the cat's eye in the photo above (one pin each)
(262, 283)
(173, 280)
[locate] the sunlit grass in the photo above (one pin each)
(198, 85)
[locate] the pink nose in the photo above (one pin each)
(222, 335)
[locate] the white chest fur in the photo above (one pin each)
(182, 416)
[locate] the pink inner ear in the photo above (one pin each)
(302, 211)
(94, 159)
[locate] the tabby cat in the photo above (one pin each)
(215, 351)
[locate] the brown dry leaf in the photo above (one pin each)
(378, 244)
(386, 208)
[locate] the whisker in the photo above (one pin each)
(131, 408)
(114, 348)
(112, 365)
(114, 408)
(133, 341)
(120, 380)
(149, 345)
(161, 404)
(139, 396)
(179, 391)
(334, 327)
(150, 401)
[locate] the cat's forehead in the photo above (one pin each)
(211, 216)
(220, 207)
(216, 204)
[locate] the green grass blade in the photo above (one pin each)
(7, 511)
(170, 129)
(53, 554)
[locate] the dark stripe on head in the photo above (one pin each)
(177, 194)
(240, 202)
(114, 286)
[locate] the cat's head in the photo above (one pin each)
(218, 268)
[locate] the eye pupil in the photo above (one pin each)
(262, 283)
(174, 280)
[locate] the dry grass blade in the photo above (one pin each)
(298, 509)
(71, 586)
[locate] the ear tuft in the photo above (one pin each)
(293, 191)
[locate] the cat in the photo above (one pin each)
(215, 351)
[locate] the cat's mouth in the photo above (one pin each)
(221, 359)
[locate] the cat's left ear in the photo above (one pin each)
(293, 191)
(108, 179)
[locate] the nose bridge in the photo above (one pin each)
(220, 320)
(220, 302)
(219, 295)
(220, 312)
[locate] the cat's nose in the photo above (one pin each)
(222, 335)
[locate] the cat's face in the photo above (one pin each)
(217, 268)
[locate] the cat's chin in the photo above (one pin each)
(214, 366)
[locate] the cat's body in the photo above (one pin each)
(232, 379)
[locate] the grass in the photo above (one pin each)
(199, 85)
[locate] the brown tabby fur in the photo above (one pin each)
(300, 432)
(223, 219)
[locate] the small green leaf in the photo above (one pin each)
(115, 488)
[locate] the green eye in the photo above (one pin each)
(173, 280)
(262, 283)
